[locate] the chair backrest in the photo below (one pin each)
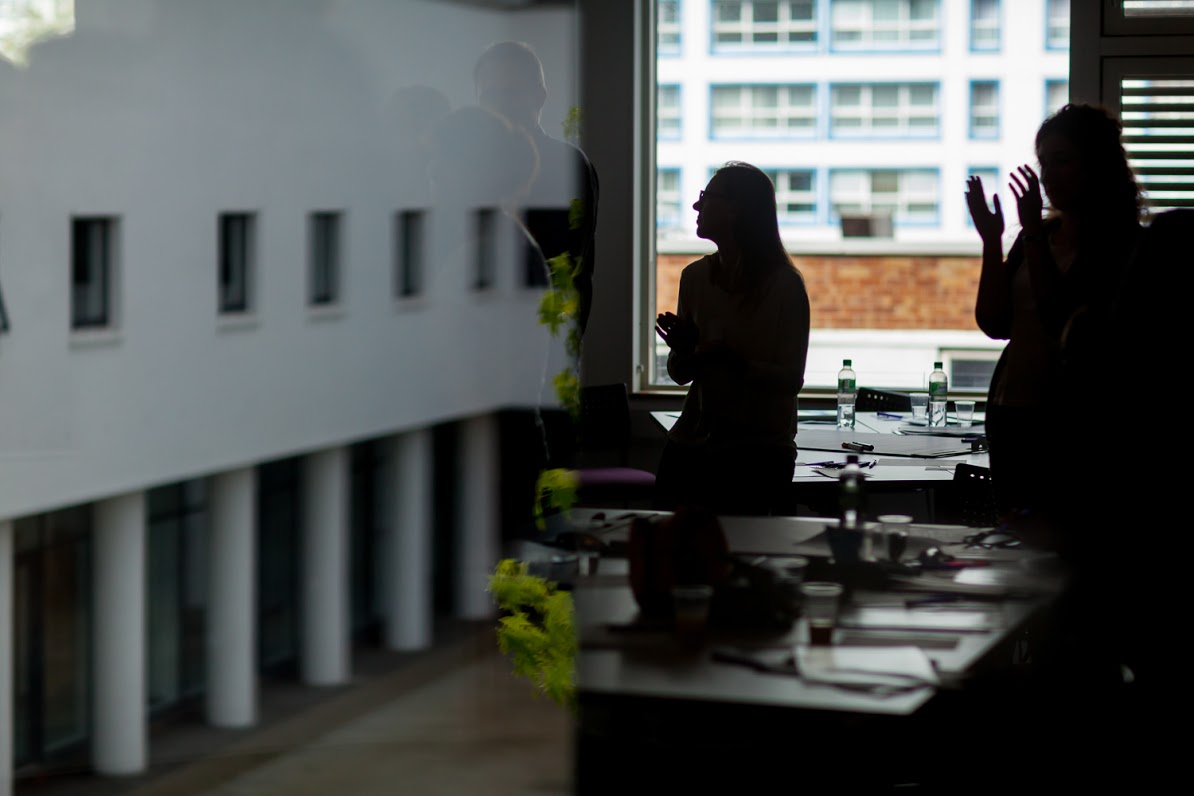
(974, 497)
(869, 400)
(605, 418)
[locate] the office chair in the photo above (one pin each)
(605, 477)
(869, 400)
(972, 497)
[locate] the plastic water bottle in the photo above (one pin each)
(847, 390)
(850, 495)
(938, 395)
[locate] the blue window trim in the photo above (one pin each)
(812, 136)
(998, 111)
(756, 50)
(1049, 81)
(679, 134)
(680, 182)
(833, 218)
(833, 47)
(815, 219)
(970, 29)
(828, 112)
(970, 172)
(1045, 27)
(679, 51)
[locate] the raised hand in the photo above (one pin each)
(988, 224)
(1027, 189)
(680, 334)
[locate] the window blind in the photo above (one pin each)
(1158, 125)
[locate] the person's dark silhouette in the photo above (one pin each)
(1059, 264)
(560, 207)
(740, 336)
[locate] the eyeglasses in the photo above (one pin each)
(703, 194)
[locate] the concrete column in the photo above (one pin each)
(232, 600)
(477, 537)
(120, 740)
(407, 546)
(324, 657)
(6, 661)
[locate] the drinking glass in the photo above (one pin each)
(920, 405)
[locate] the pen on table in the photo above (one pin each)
(889, 415)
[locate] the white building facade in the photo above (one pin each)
(229, 335)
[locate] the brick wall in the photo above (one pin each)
(867, 292)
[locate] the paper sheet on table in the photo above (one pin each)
(894, 667)
(919, 620)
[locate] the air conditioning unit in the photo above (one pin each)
(866, 225)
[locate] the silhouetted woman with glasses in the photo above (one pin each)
(739, 336)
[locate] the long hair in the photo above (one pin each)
(756, 225)
(1110, 196)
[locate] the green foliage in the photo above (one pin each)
(537, 631)
(576, 213)
(568, 391)
(556, 489)
(572, 124)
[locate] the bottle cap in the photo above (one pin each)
(846, 363)
(937, 365)
(852, 458)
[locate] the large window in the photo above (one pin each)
(764, 111)
(409, 243)
(984, 109)
(93, 272)
(667, 27)
(1057, 94)
(908, 196)
(886, 24)
(668, 202)
(907, 110)
(763, 23)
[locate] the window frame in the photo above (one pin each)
(896, 220)
(1048, 23)
(1118, 23)
(677, 27)
(675, 112)
(972, 131)
(106, 318)
(868, 45)
(867, 112)
(783, 27)
(329, 257)
(998, 46)
(225, 265)
(409, 261)
(745, 108)
(795, 219)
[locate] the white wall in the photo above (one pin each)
(165, 114)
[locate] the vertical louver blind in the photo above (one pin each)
(1158, 124)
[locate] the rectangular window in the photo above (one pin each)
(764, 111)
(485, 248)
(236, 262)
(1057, 94)
(984, 109)
(907, 196)
(795, 195)
(667, 26)
(1057, 25)
(901, 110)
(1158, 135)
(985, 29)
(92, 269)
(886, 24)
(325, 258)
(668, 205)
(409, 241)
(667, 112)
(739, 24)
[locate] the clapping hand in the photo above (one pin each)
(988, 224)
(1027, 190)
(679, 333)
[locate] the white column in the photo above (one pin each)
(6, 661)
(407, 546)
(231, 602)
(477, 537)
(119, 741)
(325, 597)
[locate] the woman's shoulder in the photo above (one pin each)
(789, 280)
(698, 269)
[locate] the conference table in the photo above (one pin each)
(908, 468)
(735, 711)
